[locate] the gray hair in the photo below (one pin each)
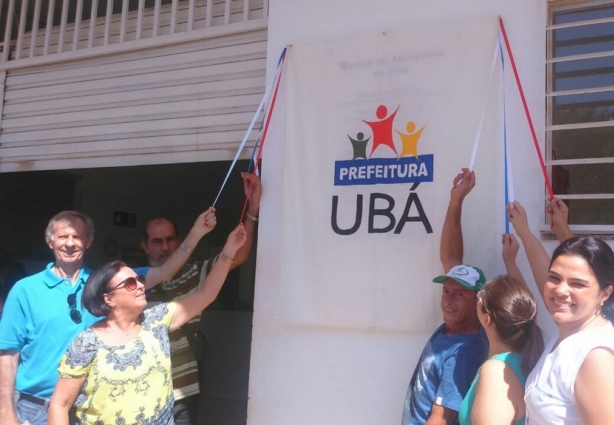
(70, 216)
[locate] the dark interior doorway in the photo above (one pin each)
(120, 201)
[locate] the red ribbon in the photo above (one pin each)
(264, 133)
(526, 110)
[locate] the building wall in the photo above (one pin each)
(308, 375)
(184, 102)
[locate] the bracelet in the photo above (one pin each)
(251, 217)
(185, 247)
(225, 258)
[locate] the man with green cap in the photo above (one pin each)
(454, 353)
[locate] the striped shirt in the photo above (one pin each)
(183, 358)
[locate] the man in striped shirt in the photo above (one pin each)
(160, 240)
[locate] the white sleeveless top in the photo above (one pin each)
(549, 394)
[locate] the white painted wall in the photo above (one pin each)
(309, 375)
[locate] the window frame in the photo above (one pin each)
(558, 6)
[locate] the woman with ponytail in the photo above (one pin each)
(572, 383)
(507, 311)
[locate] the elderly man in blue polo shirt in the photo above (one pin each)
(453, 354)
(43, 314)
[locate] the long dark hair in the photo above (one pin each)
(599, 257)
(97, 285)
(513, 311)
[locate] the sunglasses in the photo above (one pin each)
(71, 300)
(130, 284)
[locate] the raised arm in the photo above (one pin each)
(560, 219)
(63, 398)
(192, 304)
(9, 361)
(253, 190)
(509, 252)
(539, 260)
(204, 224)
(451, 246)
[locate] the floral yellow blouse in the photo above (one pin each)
(125, 384)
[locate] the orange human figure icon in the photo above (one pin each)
(410, 139)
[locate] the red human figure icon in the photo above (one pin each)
(382, 129)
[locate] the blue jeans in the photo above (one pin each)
(34, 414)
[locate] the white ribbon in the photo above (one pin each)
(265, 100)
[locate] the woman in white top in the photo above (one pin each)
(572, 382)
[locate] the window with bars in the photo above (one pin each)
(580, 111)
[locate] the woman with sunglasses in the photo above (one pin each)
(507, 312)
(572, 382)
(119, 370)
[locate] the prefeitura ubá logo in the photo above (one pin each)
(406, 167)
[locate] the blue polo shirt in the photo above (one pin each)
(36, 322)
(444, 373)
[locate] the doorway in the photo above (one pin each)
(121, 200)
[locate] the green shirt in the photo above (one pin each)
(513, 361)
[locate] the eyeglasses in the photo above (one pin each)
(130, 283)
(71, 300)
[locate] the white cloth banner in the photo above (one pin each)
(376, 129)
